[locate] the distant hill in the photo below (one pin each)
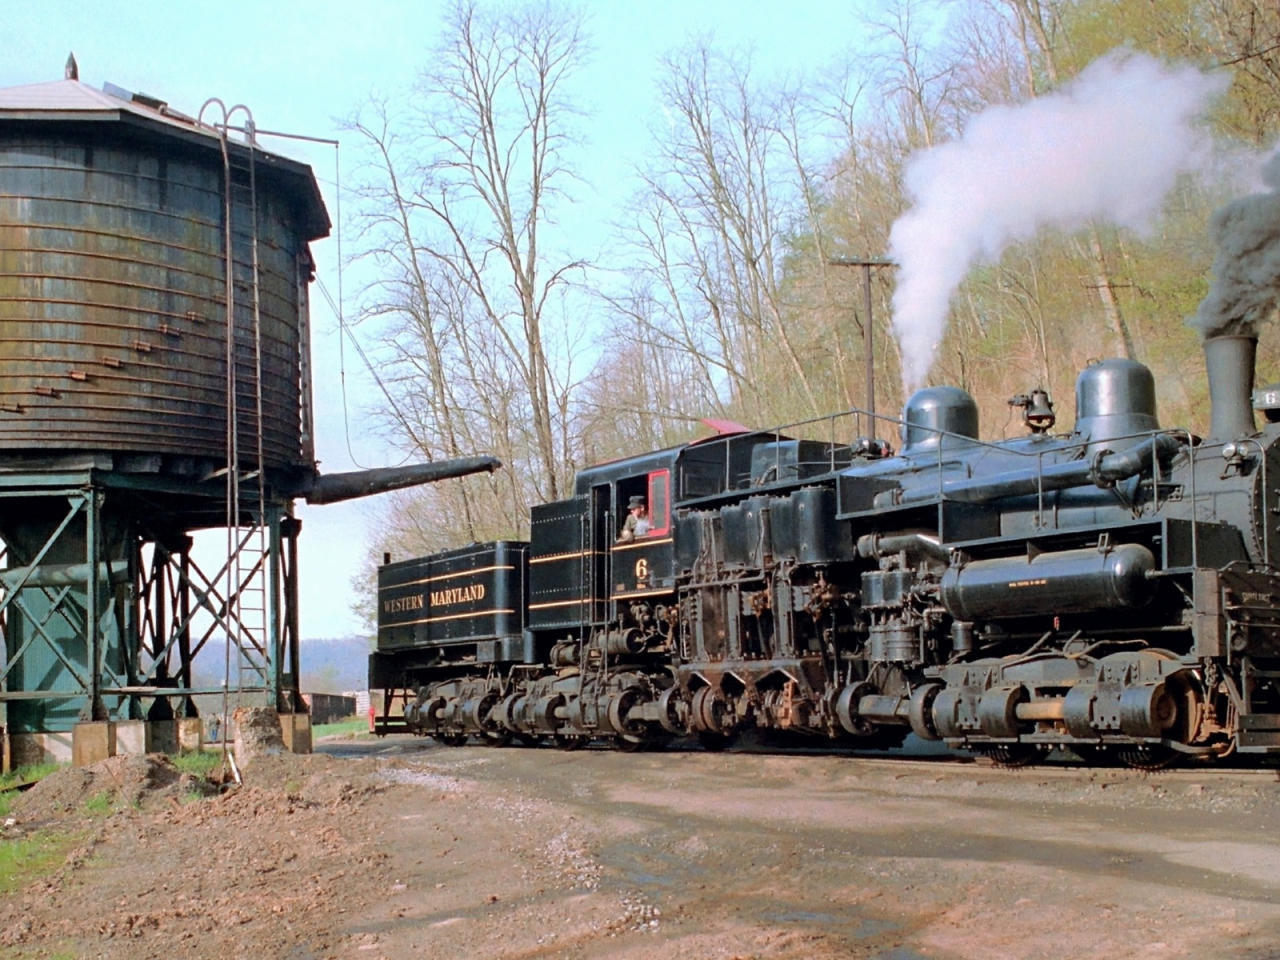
(328, 666)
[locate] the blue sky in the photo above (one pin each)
(301, 67)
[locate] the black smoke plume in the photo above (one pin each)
(1246, 269)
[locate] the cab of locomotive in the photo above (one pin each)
(589, 564)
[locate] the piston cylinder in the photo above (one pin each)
(620, 643)
(894, 641)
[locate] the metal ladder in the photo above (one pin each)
(247, 595)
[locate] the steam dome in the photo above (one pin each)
(938, 415)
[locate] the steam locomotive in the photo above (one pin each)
(1114, 590)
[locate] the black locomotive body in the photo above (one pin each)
(1113, 589)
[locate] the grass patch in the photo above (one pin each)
(198, 763)
(99, 804)
(29, 773)
(355, 726)
(21, 861)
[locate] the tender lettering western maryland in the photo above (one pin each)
(439, 598)
(403, 604)
(447, 598)
(457, 594)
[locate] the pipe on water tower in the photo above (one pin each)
(337, 487)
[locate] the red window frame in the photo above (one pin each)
(659, 478)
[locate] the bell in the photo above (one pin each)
(1038, 415)
(1037, 410)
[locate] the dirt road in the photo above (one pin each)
(404, 848)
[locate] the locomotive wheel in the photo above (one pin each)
(493, 732)
(708, 710)
(453, 739)
(629, 746)
(509, 710)
(570, 741)
(1011, 756)
(1147, 756)
(634, 733)
(921, 713)
(673, 711)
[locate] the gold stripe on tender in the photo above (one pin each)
(452, 616)
(640, 543)
(560, 556)
(558, 603)
(642, 593)
(443, 576)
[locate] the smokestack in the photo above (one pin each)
(1229, 362)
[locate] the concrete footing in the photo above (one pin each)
(131, 737)
(26, 749)
(89, 743)
(295, 729)
(92, 742)
(162, 736)
(190, 733)
(135, 737)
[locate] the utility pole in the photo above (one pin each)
(866, 263)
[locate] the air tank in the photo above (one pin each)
(1068, 581)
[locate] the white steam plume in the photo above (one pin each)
(1107, 147)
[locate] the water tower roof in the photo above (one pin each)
(73, 102)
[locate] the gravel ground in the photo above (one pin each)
(387, 849)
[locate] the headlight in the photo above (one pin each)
(1229, 450)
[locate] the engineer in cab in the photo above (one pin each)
(637, 522)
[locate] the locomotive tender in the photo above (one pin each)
(1115, 589)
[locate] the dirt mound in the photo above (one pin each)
(128, 781)
(326, 790)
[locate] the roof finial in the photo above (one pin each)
(73, 68)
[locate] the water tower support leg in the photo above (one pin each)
(293, 634)
(275, 663)
(184, 633)
(94, 709)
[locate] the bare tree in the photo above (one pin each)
(919, 83)
(710, 235)
(1246, 38)
(476, 285)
